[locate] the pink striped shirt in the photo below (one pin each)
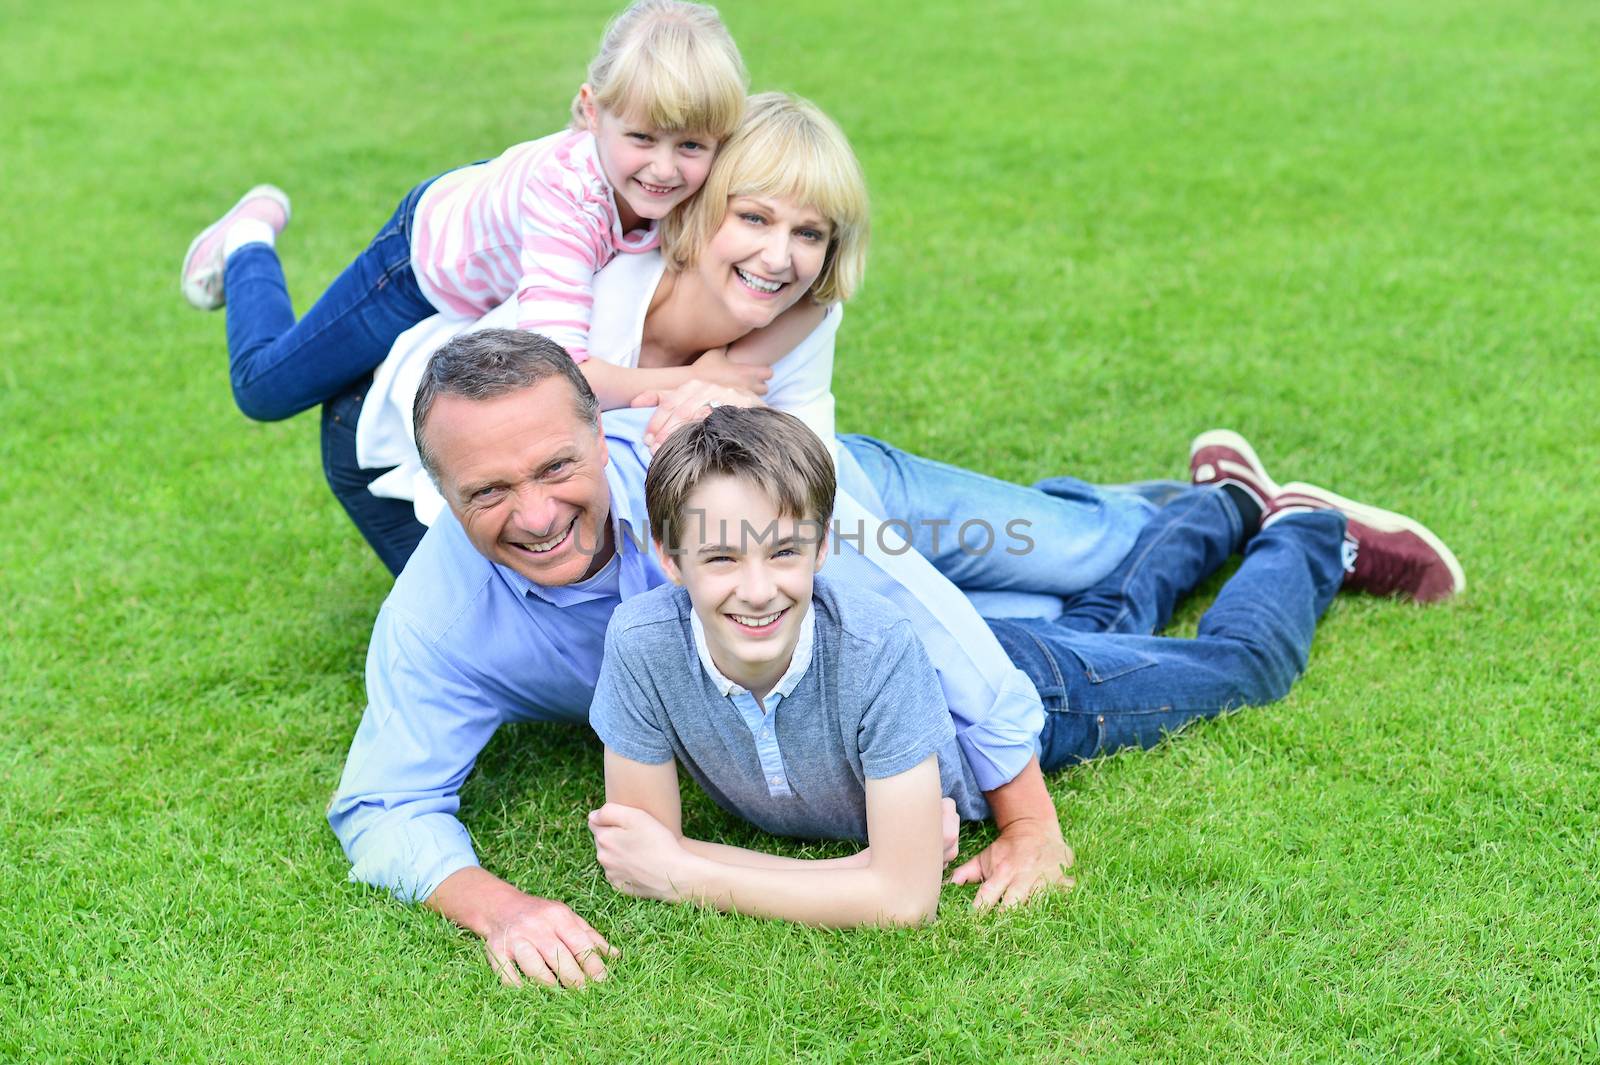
(537, 223)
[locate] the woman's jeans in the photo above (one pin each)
(280, 367)
(1108, 682)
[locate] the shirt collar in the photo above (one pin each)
(798, 664)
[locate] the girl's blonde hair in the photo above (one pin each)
(672, 64)
(788, 149)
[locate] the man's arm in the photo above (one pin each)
(899, 883)
(1030, 854)
(425, 723)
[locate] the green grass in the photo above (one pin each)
(1366, 234)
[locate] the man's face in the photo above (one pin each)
(525, 475)
(749, 571)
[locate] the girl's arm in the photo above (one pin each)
(646, 855)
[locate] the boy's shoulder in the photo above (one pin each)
(659, 614)
(865, 621)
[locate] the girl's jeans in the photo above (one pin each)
(280, 367)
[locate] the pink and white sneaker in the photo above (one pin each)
(202, 263)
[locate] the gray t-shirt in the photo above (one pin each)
(868, 707)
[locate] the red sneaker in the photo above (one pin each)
(1222, 456)
(202, 263)
(1385, 553)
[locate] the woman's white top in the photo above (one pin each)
(801, 383)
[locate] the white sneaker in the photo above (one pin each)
(201, 277)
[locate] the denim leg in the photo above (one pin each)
(1186, 541)
(989, 535)
(1121, 690)
(389, 525)
(280, 367)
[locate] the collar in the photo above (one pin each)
(798, 663)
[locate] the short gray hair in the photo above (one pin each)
(492, 363)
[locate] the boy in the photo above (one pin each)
(736, 504)
(807, 708)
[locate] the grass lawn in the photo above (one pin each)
(1365, 234)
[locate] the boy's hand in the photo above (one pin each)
(952, 829)
(641, 857)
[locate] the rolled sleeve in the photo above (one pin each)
(424, 725)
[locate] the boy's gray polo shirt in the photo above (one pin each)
(868, 707)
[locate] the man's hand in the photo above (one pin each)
(641, 857)
(688, 402)
(1030, 856)
(523, 936)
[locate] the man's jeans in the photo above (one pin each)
(1108, 682)
(280, 367)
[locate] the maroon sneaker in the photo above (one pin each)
(1384, 553)
(1221, 456)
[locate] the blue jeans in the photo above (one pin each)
(1108, 682)
(991, 536)
(390, 526)
(280, 367)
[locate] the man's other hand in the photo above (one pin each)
(523, 936)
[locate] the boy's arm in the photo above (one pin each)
(654, 789)
(772, 342)
(899, 884)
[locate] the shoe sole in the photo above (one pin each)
(1383, 521)
(1229, 439)
(272, 192)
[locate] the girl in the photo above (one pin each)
(533, 225)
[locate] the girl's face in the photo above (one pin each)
(651, 171)
(765, 256)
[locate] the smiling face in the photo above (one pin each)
(765, 256)
(651, 171)
(749, 572)
(525, 475)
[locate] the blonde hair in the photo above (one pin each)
(672, 64)
(788, 149)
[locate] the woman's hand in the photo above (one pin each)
(715, 366)
(687, 403)
(641, 857)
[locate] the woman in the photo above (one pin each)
(778, 235)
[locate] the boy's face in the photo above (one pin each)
(749, 572)
(651, 171)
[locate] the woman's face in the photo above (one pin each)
(764, 257)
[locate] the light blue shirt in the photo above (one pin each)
(463, 645)
(758, 714)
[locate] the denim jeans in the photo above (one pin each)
(280, 367)
(991, 536)
(1108, 682)
(390, 526)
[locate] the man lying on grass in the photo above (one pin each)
(809, 707)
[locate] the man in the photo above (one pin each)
(501, 616)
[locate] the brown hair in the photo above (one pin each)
(772, 450)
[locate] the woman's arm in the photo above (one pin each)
(647, 857)
(772, 342)
(619, 386)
